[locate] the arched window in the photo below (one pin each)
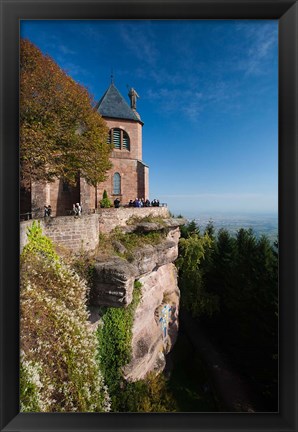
(119, 138)
(117, 184)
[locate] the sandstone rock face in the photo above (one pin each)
(155, 324)
(111, 218)
(149, 257)
(113, 284)
(153, 336)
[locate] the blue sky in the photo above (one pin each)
(208, 98)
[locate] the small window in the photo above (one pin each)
(117, 184)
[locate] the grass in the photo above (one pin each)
(130, 241)
(151, 219)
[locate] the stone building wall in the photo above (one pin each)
(133, 178)
(134, 174)
(39, 198)
(87, 196)
(134, 131)
(127, 168)
(60, 196)
(128, 163)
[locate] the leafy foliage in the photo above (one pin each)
(114, 338)
(61, 135)
(84, 265)
(58, 371)
(148, 395)
(39, 244)
(115, 335)
(30, 386)
(192, 252)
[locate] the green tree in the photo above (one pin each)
(210, 230)
(188, 229)
(192, 252)
(105, 202)
(61, 134)
(220, 269)
(244, 276)
(231, 284)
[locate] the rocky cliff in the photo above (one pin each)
(151, 263)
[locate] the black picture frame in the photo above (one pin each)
(286, 11)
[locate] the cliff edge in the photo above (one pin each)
(144, 252)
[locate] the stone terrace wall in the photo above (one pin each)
(110, 218)
(23, 233)
(73, 233)
(77, 233)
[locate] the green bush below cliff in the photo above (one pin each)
(114, 347)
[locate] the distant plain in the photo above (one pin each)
(261, 224)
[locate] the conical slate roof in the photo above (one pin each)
(113, 105)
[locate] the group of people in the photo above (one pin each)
(139, 203)
(142, 203)
(155, 203)
(47, 210)
(77, 209)
(117, 203)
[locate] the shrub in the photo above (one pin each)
(148, 395)
(32, 399)
(83, 264)
(115, 345)
(105, 202)
(58, 371)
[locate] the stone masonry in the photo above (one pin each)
(68, 231)
(77, 233)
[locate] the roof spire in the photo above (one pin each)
(113, 105)
(112, 76)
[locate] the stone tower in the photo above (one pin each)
(129, 176)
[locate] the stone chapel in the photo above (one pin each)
(129, 176)
(127, 179)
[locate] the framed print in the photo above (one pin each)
(148, 273)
